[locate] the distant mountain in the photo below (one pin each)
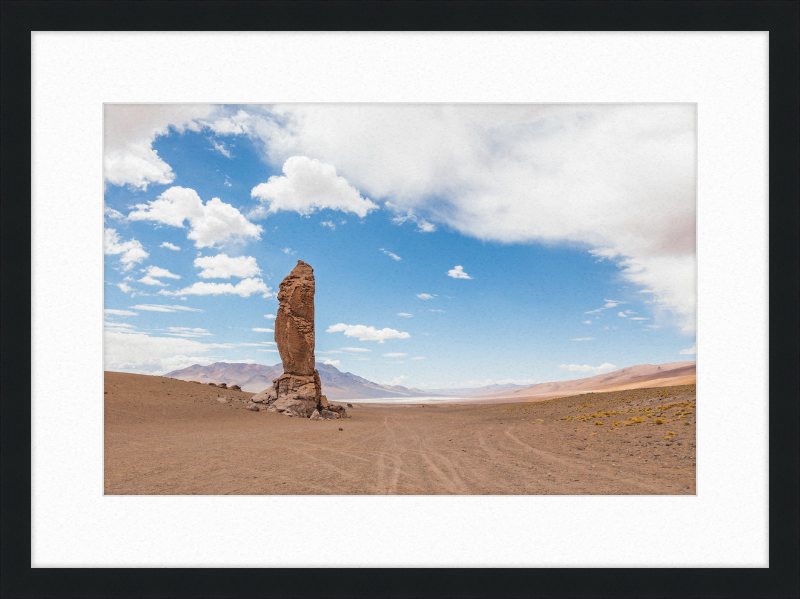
(633, 377)
(254, 378)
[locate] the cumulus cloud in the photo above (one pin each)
(261, 330)
(155, 271)
(405, 315)
(603, 368)
(458, 273)
(425, 296)
(211, 224)
(124, 287)
(244, 288)
(620, 179)
(394, 355)
(690, 350)
(130, 252)
(328, 223)
(223, 266)
(119, 312)
(583, 339)
(308, 185)
(587, 322)
(622, 314)
(269, 316)
(332, 363)
(129, 131)
(365, 333)
(162, 308)
(148, 280)
(395, 381)
(288, 251)
(112, 214)
(390, 254)
(169, 246)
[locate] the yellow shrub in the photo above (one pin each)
(658, 421)
(598, 423)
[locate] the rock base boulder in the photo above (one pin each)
(300, 396)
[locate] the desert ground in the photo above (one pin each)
(169, 437)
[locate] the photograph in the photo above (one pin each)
(399, 299)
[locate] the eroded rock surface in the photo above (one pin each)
(298, 391)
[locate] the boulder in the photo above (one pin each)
(314, 415)
(235, 388)
(328, 415)
(252, 407)
(292, 406)
(212, 384)
(223, 385)
(349, 405)
(222, 399)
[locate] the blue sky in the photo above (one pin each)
(452, 245)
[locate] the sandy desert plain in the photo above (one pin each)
(170, 437)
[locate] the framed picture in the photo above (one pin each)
(730, 63)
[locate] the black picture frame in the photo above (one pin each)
(780, 18)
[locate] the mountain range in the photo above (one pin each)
(338, 385)
(255, 378)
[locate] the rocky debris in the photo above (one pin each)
(298, 391)
(223, 399)
(252, 407)
(212, 384)
(349, 405)
(235, 388)
(223, 385)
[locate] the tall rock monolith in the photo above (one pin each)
(298, 391)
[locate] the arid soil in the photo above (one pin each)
(166, 436)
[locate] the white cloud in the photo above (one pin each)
(425, 296)
(244, 288)
(131, 252)
(583, 339)
(405, 315)
(390, 254)
(162, 308)
(419, 358)
(220, 147)
(603, 368)
(587, 322)
(269, 316)
(223, 266)
(394, 355)
(187, 332)
(432, 310)
(169, 246)
(365, 333)
(690, 350)
(622, 314)
(402, 217)
(638, 318)
(288, 251)
(458, 273)
(328, 223)
(652, 326)
(139, 352)
(260, 330)
(209, 225)
(355, 349)
(333, 362)
(148, 280)
(620, 178)
(129, 131)
(112, 214)
(124, 287)
(119, 312)
(155, 271)
(308, 185)
(273, 351)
